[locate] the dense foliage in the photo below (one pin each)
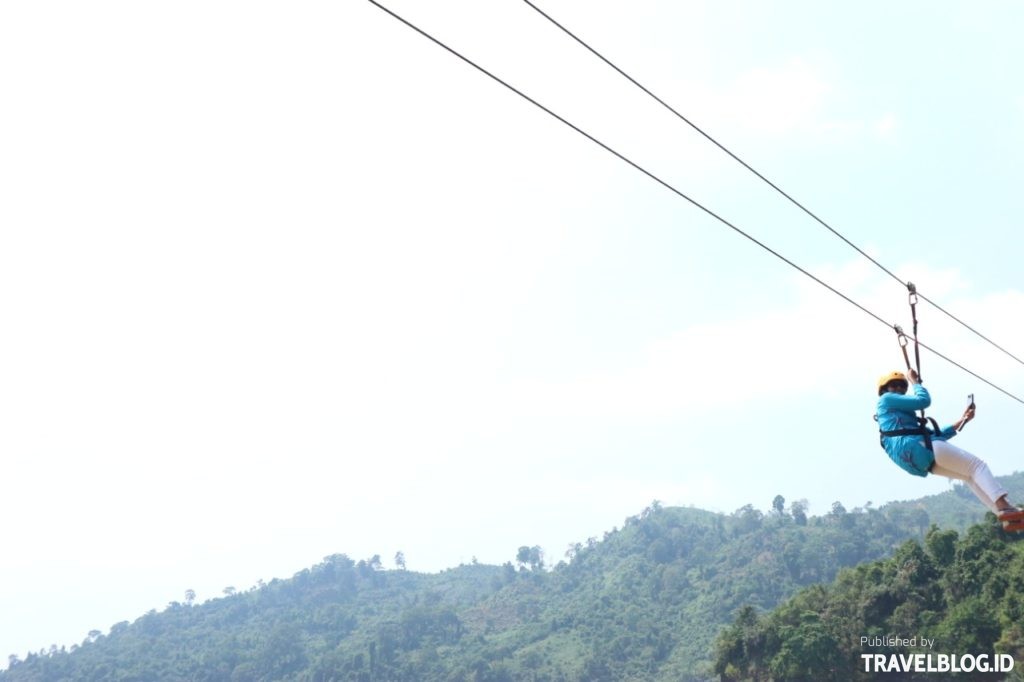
(644, 603)
(949, 596)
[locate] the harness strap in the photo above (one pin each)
(921, 430)
(902, 432)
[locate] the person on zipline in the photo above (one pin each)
(920, 451)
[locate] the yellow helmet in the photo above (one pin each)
(884, 380)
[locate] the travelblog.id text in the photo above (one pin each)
(930, 662)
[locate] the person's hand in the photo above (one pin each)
(912, 376)
(968, 414)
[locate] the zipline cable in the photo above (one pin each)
(666, 185)
(766, 180)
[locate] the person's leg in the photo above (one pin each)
(952, 462)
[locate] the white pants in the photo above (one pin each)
(952, 462)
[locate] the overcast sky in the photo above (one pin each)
(287, 280)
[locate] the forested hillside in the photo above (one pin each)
(949, 596)
(646, 602)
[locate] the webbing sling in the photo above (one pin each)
(902, 338)
(922, 428)
(913, 315)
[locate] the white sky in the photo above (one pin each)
(282, 281)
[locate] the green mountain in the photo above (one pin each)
(950, 604)
(645, 603)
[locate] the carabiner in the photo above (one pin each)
(912, 295)
(900, 336)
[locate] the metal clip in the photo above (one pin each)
(913, 293)
(900, 336)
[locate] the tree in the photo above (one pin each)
(941, 545)
(530, 556)
(748, 519)
(779, 505)
(740, 649)
(799, 511)
(190, 597)
(651, 510)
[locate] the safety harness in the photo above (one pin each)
(921, 430)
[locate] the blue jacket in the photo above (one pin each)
(896, 411)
